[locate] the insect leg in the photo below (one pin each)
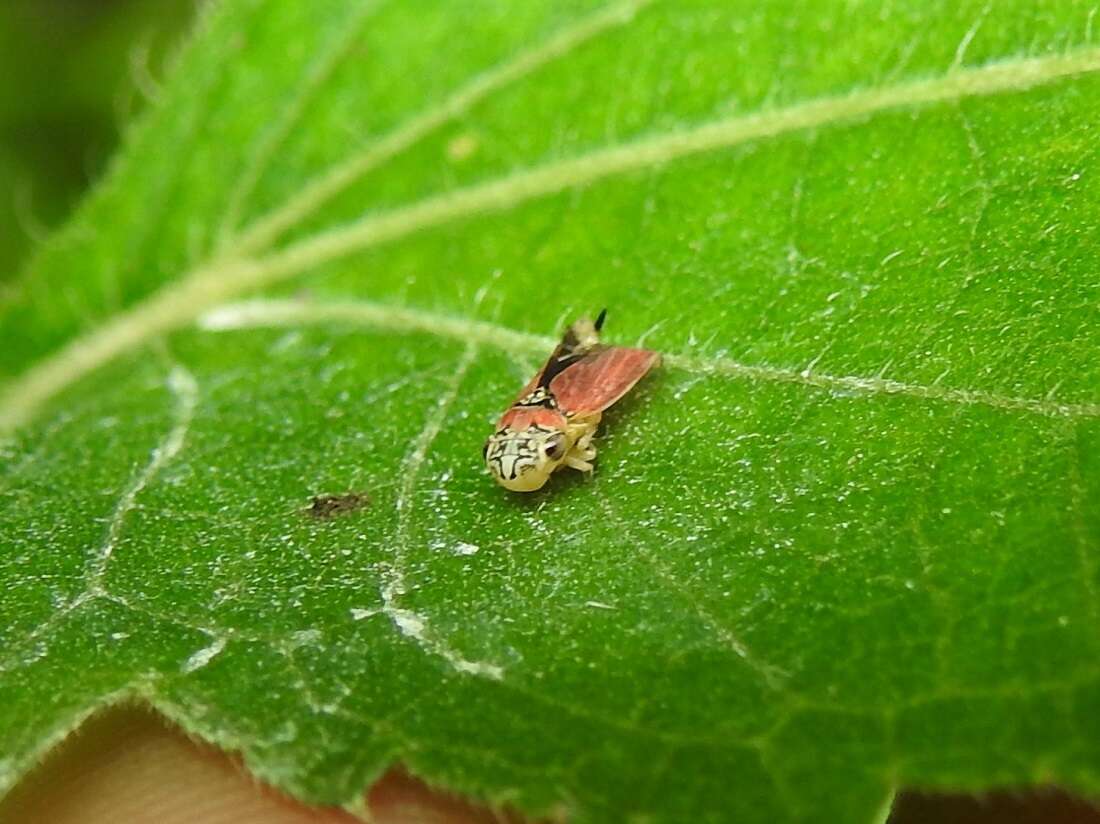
(583, 450)
(577, 463)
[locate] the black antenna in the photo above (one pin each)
(600, 319)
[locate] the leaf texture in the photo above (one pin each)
(844, 540)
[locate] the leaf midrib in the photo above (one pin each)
(229, 276)
(383, 317)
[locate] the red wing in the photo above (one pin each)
(601, 378)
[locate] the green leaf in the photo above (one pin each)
(844, 540)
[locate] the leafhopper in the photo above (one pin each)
(551, 423)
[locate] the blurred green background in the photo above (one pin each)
(73, 73)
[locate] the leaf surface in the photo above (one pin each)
(844, 540)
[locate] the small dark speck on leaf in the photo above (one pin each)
(323, 507)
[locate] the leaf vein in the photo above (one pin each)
(185, 391)
(412, 625)
(278, 313)
(220, 280)
(318, 191)
(265, 149)
(772, 675)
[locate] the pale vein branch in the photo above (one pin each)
(315, 193)
(221, 280)
(411, 624)
(772, 675)
(185, 392)
(266, 148)
(276, 313)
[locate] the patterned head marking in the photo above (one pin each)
(523, 460)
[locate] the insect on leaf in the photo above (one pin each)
(846, 543)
